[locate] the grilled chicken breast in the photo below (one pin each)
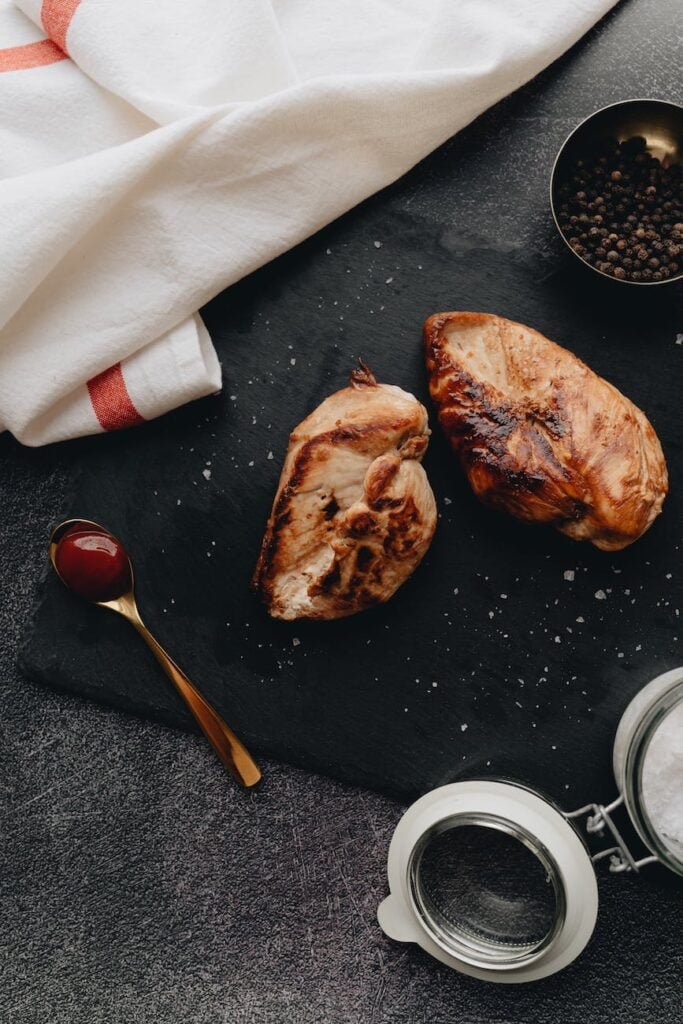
(539, 434)
(354, 513)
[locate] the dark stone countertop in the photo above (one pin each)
(137, 886)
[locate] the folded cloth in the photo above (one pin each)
(184, 145)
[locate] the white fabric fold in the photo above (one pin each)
(246, 128)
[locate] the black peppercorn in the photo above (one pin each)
(622, 212)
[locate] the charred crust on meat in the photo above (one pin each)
(360, 524)
(362, 376)
(280, 517)
(323, 553)
(539, 434)
(364, 557)
(379, 478)
(331, 508)
(327, 582)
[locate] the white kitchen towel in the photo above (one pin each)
(229, 131)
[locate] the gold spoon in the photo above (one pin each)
(120, 597)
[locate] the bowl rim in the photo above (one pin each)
(589, 117)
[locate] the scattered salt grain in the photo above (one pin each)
(600, 595)
(569, 575)
(206, 473)
(389, 280)
(377, 245)
(295, 641)
(463, 727)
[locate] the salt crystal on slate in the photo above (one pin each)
(663, 778)
(600, 595)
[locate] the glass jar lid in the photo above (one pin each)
(490, 877)
(495, 880)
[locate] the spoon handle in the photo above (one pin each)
(229, 748)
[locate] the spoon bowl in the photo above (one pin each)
(88, 527)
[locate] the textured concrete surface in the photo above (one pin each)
(138, 886)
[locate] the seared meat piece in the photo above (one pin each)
(354, 513)
(539, 434)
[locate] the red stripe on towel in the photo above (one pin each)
(56, 17)
(111, 401)
(30, 55)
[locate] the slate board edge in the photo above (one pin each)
(118, 701)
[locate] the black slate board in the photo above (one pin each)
(491, 659)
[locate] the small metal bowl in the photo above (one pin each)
(658, 121)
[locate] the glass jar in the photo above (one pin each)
(497, 881)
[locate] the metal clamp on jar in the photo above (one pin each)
(495, 880)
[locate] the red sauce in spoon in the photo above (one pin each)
(92, 563)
